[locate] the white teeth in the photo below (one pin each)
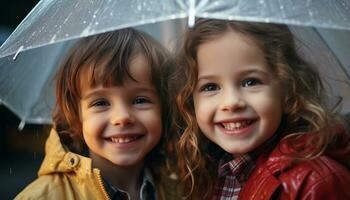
(123, 140)
(236, 125)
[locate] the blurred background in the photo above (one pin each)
(21, 151)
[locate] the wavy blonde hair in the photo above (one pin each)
(305, 102)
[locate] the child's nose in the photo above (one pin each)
(121, 116)
(232, 100)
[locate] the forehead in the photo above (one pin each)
(232, 50)
(103, 73)
(140, 69)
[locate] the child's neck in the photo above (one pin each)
(126, 178)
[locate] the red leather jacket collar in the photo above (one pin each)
(276, 177)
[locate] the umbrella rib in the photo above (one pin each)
(331, 50)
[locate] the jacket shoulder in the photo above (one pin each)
(51, 186)
(320, 178)
(277, 175)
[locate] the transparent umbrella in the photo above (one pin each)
(29, 57)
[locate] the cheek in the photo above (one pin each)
(92, 125)
(270, 109)
(204, 111)
(153, 121)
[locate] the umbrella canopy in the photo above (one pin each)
(29, 57)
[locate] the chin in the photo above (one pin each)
(237, 150)
(126, 162)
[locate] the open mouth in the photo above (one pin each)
(232, 126)
(124, 139)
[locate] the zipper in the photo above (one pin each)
(99, 178)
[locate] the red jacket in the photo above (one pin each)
(320, 178)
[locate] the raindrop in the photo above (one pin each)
(19, 50)
(96, 23)
(93, 16)
(84, 22)
(111, 14)
(139, 7)
(21, 125)
(66, 34)
(10, 170)
(261, 1)
(53, 38)
(86, 31)
(281, 7)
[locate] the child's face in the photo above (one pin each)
(238, 102)
(123, 123)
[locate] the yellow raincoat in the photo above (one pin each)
(67, 175)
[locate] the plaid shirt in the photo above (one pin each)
(147, 190)
(233, 172)
(231, 176)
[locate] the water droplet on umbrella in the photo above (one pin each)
(18, 51)
(53, 38)
(21, 125)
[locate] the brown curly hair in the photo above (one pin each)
(305, 102)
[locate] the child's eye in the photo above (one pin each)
(209, 87)
(141, 100)
(100, 103)
(249, 82)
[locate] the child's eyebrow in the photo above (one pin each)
(92, 93)
(97, 92)
(241, 73)
(204, 77)
(256, 71)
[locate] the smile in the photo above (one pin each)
(124, 139)
(231, 126)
